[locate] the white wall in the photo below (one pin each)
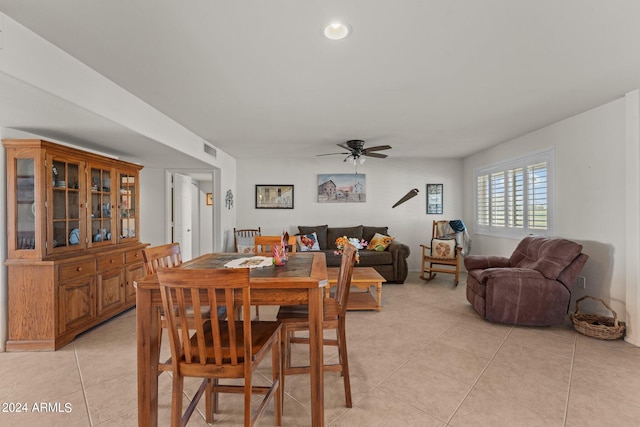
(387, 181)
(589, 194)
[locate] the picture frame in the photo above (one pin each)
(209, 199)
(342, 188)
(274, 196)
(434, 199)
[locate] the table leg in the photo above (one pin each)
(316, 354)
(147, 337)
(379, 291)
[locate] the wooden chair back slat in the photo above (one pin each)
(181, 288)
(161, 256)
(264, 244)
(344, 277)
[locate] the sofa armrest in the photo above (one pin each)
(505, 275)
(399, 253)
(480, 262)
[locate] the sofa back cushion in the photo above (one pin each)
(334, 232)
(321, 232)
(548, 256)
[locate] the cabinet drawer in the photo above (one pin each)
(111, 261)
(133, 256)
(76, 269)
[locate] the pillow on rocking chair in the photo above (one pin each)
(443, 248)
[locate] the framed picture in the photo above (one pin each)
(342, 188)
(434, 199)
(274, 196)
(209, 199)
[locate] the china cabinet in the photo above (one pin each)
(72, 241)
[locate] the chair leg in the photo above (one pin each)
(276, 366)
(247, 401)
(208, 398)
(344, 361)
(176, 400)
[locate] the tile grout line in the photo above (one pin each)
(84, 393)
(479, 376)
(573, 361)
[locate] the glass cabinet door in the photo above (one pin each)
(100, 207)
(127, 206)
(25, 204)
(65, 205)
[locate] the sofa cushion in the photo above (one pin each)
(321, 232)
(334, 232)
(379, 242)
(308, 242)
(368, 232)
(367, 259)
(548, 256)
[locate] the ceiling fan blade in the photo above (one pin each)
(330, 154)
(381, 156)
(346, 147)
(378, 148)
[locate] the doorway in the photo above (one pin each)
(190, 218)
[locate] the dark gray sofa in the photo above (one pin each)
(390, 263)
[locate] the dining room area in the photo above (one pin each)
(426, 359)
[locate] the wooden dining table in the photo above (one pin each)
(300, 281)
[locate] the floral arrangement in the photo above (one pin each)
(280, 251)
(344, 240)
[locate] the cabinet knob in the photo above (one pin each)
(79, 269)
(110, 261)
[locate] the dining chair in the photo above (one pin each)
(166, 256)
(295, 318)
(263, 246)
(219, 348)
(243, 238)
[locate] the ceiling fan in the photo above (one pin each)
(356, 151)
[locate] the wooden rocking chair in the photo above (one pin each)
(442, 256)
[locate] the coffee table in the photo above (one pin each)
(363, 278)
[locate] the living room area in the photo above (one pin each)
(426, 358)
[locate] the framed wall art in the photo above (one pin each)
(342, 188)
(274, 196)
(434, 199)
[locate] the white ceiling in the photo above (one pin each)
(443, 78)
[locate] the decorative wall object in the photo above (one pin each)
(228, 200)
(411, 194)
(434, 199)
(274, 196)
(342, 188)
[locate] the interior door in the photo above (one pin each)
(182, 226)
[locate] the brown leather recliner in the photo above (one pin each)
(532, 287)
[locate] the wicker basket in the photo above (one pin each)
(592, 325)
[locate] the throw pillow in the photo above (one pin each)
(246, 249)
(443, 248)
(321, 232)
(308, 242)
(379, 242)
(368, 232)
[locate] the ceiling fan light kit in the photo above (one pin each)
(357, 152)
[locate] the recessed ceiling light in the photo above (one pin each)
(336, 31)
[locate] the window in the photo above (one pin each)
(514, 198)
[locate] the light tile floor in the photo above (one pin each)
(426, 359)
